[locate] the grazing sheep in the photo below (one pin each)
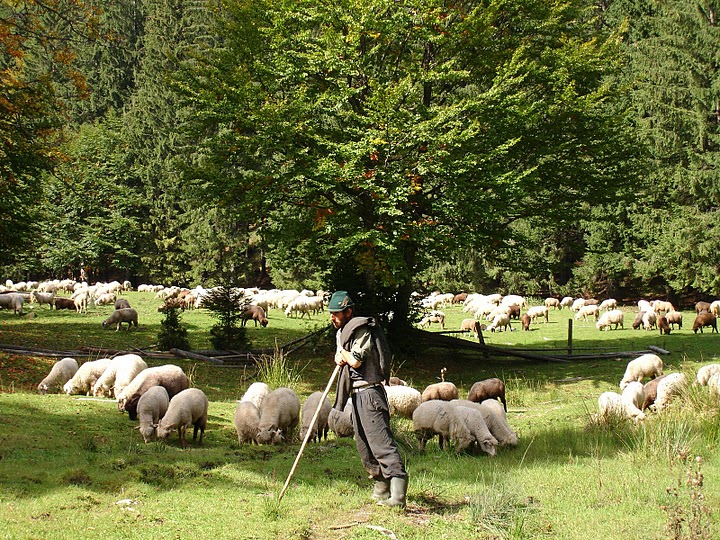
(320, 429)
(496, 420)
(438, 418)
(609, 318)
(119, 316)
(152, 406)
(647, 365)
(492, 388)
(475, 421)
(340, 422)
(705, 372)
(649, 319)
(637, 323)
(566, 302)
(501, 320)
(12, 301)
(61, 372)
(611, 404)
(714, 384)
(64, 303)
(122, 303)
(514, 311)
(634, 393)
(608, 304)
(403, 400)
(444, 391)
(246, 420)
(650, 392)
(587, 310)
(552, 303)
(510, 299)
(470, 325)
(81, 301)
(577, 304)
(437, 317)
(705, 318)
(256, 393)
(189, 407)
(661, 305)
(673, 318)
(43, 298)
(663, 325)
(715, 308)
(675, 384)
(169, 376)
(279, 417)
(257, 314)
(537, 312)
(644, 305)
(118, 374)
(86, 377)
(105, 299)
(525, 321)
(702, 306)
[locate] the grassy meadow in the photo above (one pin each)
(74, 467)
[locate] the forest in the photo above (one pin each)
(539, 147)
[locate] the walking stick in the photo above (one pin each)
(309, 432)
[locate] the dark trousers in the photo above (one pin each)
(374, 439)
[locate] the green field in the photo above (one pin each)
(72, 467)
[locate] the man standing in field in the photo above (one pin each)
(361, 353)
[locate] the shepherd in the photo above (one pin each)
(362, 355)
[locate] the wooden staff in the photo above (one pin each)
(309, 431)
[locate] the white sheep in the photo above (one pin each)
(608, 304)
(675, 384)
(81, 302)
(501, 320)
(715, 308)
(445, 391)
(119, 316)
(511, 299)
(256, 394)
(403, 400)
(705, 372)
(552, 303)
(586, 311)
(634, 393)
(644, 305)
(566, 302)
(647, 365)
(713, 384)
(311, 405)
(662, 305)
(246, 420)
(649, 319)
(577, 304)
(122, 369)
(470, 325)
(152, 406)
(611, 404)
(435, 316)
(43, 298)
(86, 377)
(537, 312)
(475, 421)
(189, 407)
(279, 416)
(12, 301)
(438, 418)
(610, 318)
(61, 372)
(673, 318)
(169, 376)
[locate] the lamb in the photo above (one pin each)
(634, 393)
(246, 420)
(671, 386)
(119, 373)
(152, 406)
(705, 318)
(673, 318)
(444, 391)
(586, 311)
(552, 302)
(609, 318)
(311, 405)
(43, 298)
(189, 407)
(663, 325)
(257, 314)
(119, 316)
(279, 417)
(256, 394)
(705, 372)
(536, 312)
(608, 304)
(403, 400)
(650, 392)
(525, 321)
(169, 376)
(649, 320)
(611, 404)
(435, 316)
(61, 372)
(122, 303)
(501, 320)
(86, 376)
(493, 388)
(340, 422)
(646, 365)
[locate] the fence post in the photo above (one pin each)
(569, 345)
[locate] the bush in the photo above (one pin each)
(226, 304)
(172, 335)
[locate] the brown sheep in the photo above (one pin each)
(702, 306)
(663, 325)
(525, 321)
(257, 314)
(64, 303)
(673, 318)
(705, 318)
(444, 391)
(488, 389)
(637, 323)
(650, 391)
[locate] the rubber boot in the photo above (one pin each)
(381, 491)
(398, 491)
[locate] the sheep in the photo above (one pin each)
(649, 320)
(552, 303)
(634, 393)
(43, 298)
(256, 394)
(673, 318)
(637, 323)
(105, 299)
(705, 372)
(590, 310)
(536, 312)
(566, 302)
(119, 373)
(340, 422)
(644, 305)
(403, 400)
(397, 381)
(608, 304)
(12, 300)
(646, 365)
(64, 303)
(435, 316)
(514, 311)
(470, 325)
(702, 306)
(279, 417)
(661, 305)
(495, 419)
(650, 392)
(714, 384)
(61, 372)
(511, 299)
(611, 404)
(86, 376)
(475, 421)
(715, 307)
(119, 316)
(501, 320)
(492, 388)
(444, 391)
(577, 304)
(299, 304)
(81, 302)
(189, 407)
(152, 406)
(673, 385)
(122, 303)
(246, 420)
(663, 325)
(257, 314)
(609, 318)
(525, 321)
(438, 418)
(311, 405)
(705, 318)
(169, 376)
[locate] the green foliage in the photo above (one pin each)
(277, 371)
(226, 304)
(172, 333)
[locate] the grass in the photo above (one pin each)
(76, 468)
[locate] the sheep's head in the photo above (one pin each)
(42, 388)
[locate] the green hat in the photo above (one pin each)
(340, 301)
